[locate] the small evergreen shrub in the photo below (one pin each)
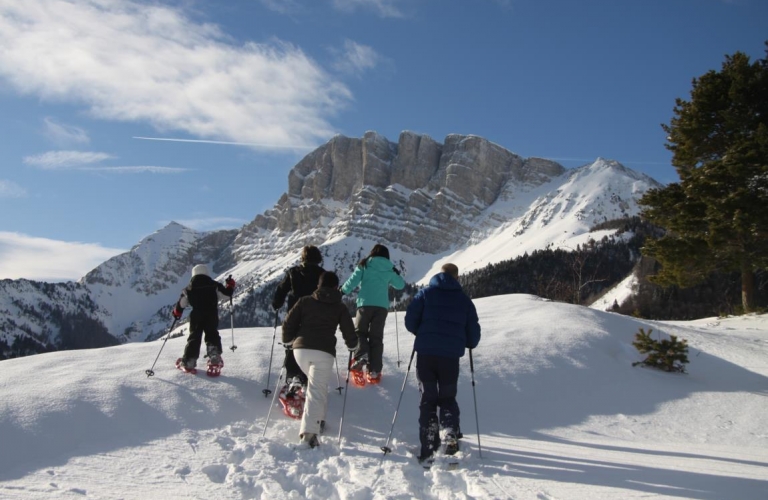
(668, 355)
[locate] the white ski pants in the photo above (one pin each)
(318, 365)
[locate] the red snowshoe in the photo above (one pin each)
(357, 370)
(183, 367)
(358, 377)
(214, 367)
(373, 378)
(292, 398)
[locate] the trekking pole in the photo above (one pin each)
(338, 380)
(397, 339)
(150, 372)
(267, 391)
(232, 320)
(397, 330)
(474, 394)
(386, 449)
(343, 406)
(272, 405)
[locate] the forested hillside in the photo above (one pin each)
(584, 274)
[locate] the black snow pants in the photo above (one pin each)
(438, 382)
(202, 322)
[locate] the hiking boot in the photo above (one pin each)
(374, 377)
(451, 443)
(214, 355)
(426, 461)
(359, 363)
(189, 364)
(309, 440)
(294, 386)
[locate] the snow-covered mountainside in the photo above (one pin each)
(127, 298)
(467, 200)
(39, 317)
(135, 290)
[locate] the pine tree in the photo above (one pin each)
(716, 217)
(669, 354)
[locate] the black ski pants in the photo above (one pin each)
(202, 322)
(369, 327)
(438, 383)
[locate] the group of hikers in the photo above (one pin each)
(441, 316)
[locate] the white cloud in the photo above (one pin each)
(84, 160)
(23, 256)
(9, 189)
(228, 143)
(53, 160)
(63, 134)
(384, 8)
(143, 169)
(146, 62)
(356, 58)
(282, 6)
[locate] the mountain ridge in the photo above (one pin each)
(466, 199)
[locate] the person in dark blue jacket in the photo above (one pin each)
(445, 323)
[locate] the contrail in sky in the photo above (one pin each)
(226, 143)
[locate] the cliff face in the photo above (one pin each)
(417, 194)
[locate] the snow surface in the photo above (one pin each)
(562, 415)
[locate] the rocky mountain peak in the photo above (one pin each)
(432, 189)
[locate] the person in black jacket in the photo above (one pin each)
(310, 329)
(299, 281)
(445, 323)
(203, 294)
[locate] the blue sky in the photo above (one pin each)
(82, 80)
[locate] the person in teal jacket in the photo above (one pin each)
(374, 275)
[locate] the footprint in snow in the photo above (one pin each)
(217, 473)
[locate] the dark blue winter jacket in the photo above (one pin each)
(443, 319)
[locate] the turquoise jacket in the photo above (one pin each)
(374, 280)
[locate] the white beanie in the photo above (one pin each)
(200, 269)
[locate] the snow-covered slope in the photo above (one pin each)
(38, 317)
(135, 288)
(562, 415)
(557, 214)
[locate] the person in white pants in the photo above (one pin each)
(318, 365)
(310, 330)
